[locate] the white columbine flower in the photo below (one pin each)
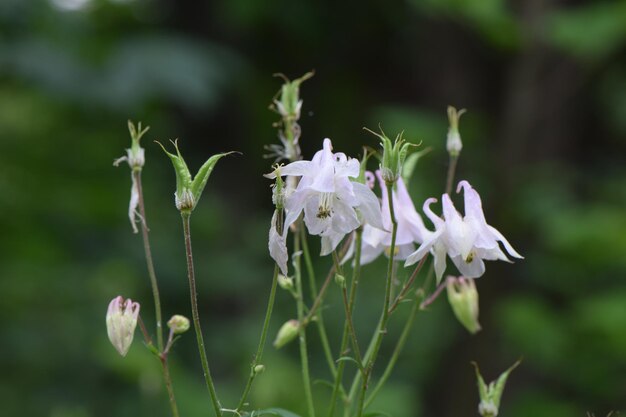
(410, 226)
(329, 198)
(467, 240)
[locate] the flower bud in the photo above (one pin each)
(463, 299)
(259, 369)
(340, 280)
(286, 283)
(394, 155)
(491, 394)
(178, 324)
(287, 333)
(121, 320)
(453, 143)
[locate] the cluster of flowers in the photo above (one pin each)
(335, 203)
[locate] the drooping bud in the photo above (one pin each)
(453, 143)
(491, 394)
(394, 155)
(286, 333)
(286, 283)
(259, 369)
(121, 320)
(178, 324)
(463, 298)
(188, 189)
(135, 157)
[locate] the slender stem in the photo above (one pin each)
(382, 329)
(155, 293)
(259, 352)
(320, 319)
(196, 316)
(320, 296)
(407, 286)
(451, 172)
(348, 312)
(149, 262)
(168, 385)
(434, 295)
(396, 353)
(356, 271)
(304, 357)
(144, 332)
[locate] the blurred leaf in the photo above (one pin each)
(274, 412)
(590, 32)
(491, 18)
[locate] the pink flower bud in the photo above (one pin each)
(121, 322)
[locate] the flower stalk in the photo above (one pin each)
(195, 315)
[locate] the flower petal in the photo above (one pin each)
(278, 246)
(369, 206)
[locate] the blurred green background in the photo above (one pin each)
(545, 145)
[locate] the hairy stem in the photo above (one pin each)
(155, 293)
(149, 262)
(196, 316)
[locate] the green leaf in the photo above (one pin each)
(376, 414)
(201, 178)
(183, 176)
(411, 162)
(501, 381)
(273, 412)
(324, 382)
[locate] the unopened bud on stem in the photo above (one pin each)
(453, 143)
(178, 324)
(121, 320)
(286, 333)
(463, 298)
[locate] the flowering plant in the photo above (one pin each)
(331, 196)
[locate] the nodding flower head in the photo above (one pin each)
(333, 203)
(467, 239)
(121, 320)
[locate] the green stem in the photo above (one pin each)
(304, 358)
(451, 172)
(348, 312)
(407, 286)
(344, 340)
(382, 329)
(396, 353)
(196, 317)
(155, 292)
(149, 262)
(168, 385)
(320, 320)
(259, 352)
